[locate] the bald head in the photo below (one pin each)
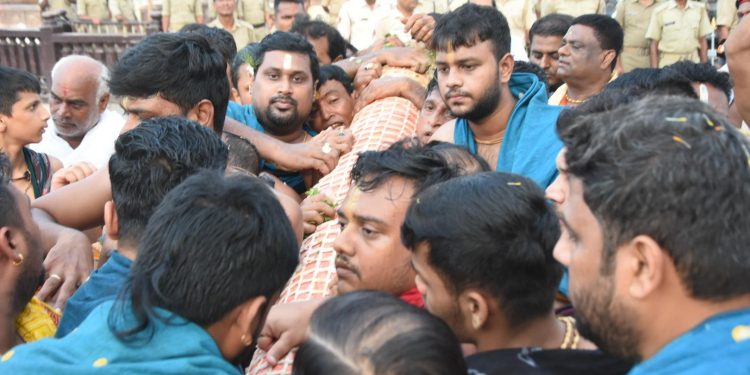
(79, 94)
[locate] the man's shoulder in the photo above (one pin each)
(664, 6)
(243, 24)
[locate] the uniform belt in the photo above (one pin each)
(643, 51)
(686, 54)
(259, 25)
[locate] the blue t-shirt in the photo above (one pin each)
(172, 345)
(246, 115)
(530, 145)
(719, 345)
(103, 286)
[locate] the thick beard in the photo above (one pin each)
(486, 104)
(276, 123)
(607, 323)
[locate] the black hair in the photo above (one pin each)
(672, 169)
(196, 72)
(551, 25)
(431, 86)
(220, 39)
(335, 73)
(9, 214)
(459, 158)
(469, 25)
(242, 153)
(320, 29)
(654, 81)
(505, 230)
(613, 97)
(419, 164)
(244, 56)
(527, 67)
(153, 158)
(290, 42)
(15, 81)
(701, 73)
(373, 332)
(277, 2)
(607, 31)
(213, 243)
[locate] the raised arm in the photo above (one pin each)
(737, 49)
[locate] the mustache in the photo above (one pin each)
(456, 93)
(344, 261)
(280, 98)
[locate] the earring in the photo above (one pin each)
(246, 340)
(19, 261)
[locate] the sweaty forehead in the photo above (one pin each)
(388, 202)
(581, 33)
(332, 86)
(286, 60)
(72, 87)
(475, 49)
(545, 44)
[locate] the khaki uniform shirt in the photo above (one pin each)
(726, 13)
(634, 18)
(435, 6)
(520, 15)
(95, 9)
(678, 30)
(64, 5)
(242, 32)
(181, 12)
(390, 24)
(317, 13)
(334, 6)
(573, 8)
(252, 12)
(357, 21)
(124, 8)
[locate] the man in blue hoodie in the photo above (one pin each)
(502, 116)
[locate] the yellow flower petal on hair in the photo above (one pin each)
(7, 356)
(101, 362)
(681, 141)
(741, 333)
(676, 119)
(514, 184)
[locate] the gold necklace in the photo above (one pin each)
(571, 337)
(573, 101)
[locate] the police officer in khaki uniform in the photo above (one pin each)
(573, 8)
(93, 10)
(53, 5)
(634, 17)
(123, 10)
(677, 32)
(520, 15)
(178, 13)
(241, 31)
(726, 17)
(254, 13)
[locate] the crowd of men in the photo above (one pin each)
(585, 212)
